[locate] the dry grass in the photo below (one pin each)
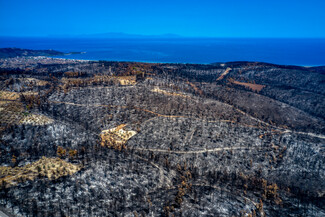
(254, 87)
(224, 74)
(96, 80)
(116, 137)
(8, 95)
(126, 80)
(52, 168)
(35, 120)
(10, 118)
(11, 112)
(122, 80)
(29, 93)
(196, 89)
(4, 102)
(157, 90)
(35, 82)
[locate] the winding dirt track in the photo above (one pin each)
(224, 74)
(194, 152)
(140, 109)
(283, 130)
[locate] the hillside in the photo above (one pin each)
(99, 138)
(18, 52)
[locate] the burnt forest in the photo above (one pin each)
(101, 138)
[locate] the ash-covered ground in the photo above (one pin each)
(228, 139)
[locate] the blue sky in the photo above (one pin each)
(208, 18)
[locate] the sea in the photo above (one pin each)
(286, 51)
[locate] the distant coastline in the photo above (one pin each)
(72, 53)
(303, 52)
(19, 52)
(148, 51)
(50, 55)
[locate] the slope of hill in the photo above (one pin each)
(161, 139)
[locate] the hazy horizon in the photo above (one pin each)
(122, 35)
(309, 52)
(217, 19)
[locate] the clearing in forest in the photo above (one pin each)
(157, 90)
(127, 80)
(36, 120)
(224, 74)
(8, 95)
(116, 137)
(52, 168)
(254, 87)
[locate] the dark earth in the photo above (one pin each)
(222, 139)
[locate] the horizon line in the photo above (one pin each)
(162, 36)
